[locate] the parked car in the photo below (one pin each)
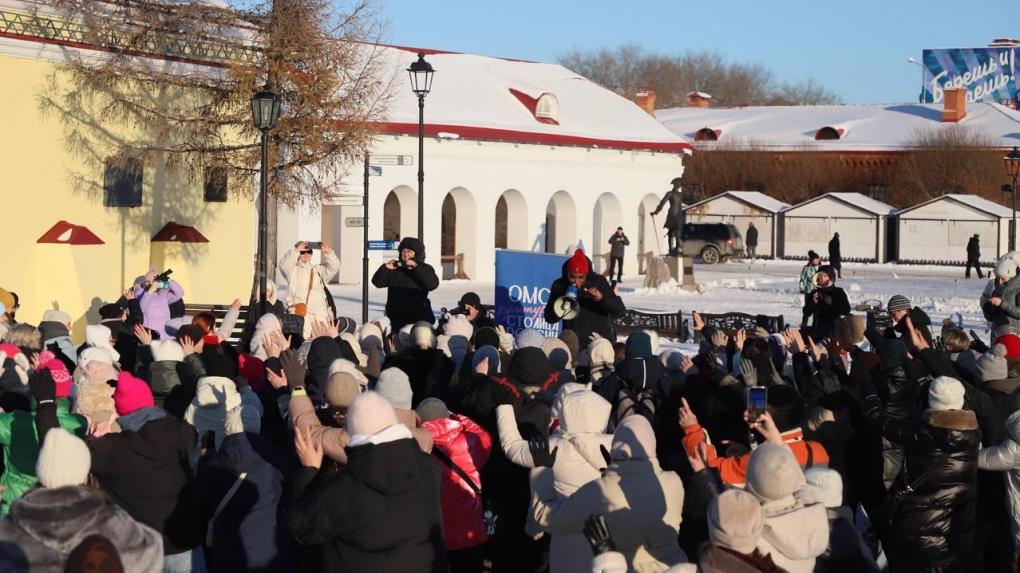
(712, 241)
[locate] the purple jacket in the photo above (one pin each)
(156, 306)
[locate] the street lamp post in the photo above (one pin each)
(420, 73)
(1012, 160)
(265, 110)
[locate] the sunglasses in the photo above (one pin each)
(306, 252)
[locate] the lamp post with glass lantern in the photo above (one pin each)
(420, 74)
(265, 110)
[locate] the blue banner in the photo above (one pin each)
(988, 74)
(523, 279)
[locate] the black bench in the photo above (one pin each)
(731, 322)
(221, 310)
(667, 325)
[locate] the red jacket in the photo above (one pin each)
(468, 446)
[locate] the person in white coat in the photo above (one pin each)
(306, 283)
(578, 441)
(1006, 457)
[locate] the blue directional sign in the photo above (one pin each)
(383, 245)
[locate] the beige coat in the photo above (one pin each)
(641, 503)
(298, 274)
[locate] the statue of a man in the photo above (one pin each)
(674, 217)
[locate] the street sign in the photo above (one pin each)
(374, 170)
(383, 245)
(391, 159)
(349, 201)
(354, 222)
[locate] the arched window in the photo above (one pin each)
(828, 133)
(547, 108)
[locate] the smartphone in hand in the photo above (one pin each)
(757, 402)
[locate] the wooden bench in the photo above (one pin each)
(220, 310)
(667, 325)
(731, 322)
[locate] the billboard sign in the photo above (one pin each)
(988, 74)
(523, 279)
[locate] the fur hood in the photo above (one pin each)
(962, 420)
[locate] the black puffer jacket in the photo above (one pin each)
(932, 527)
(407, 294)
(428, 369)
(379, 513)
(595, 316)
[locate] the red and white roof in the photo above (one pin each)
(878, 127)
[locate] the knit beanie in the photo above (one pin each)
(96, 354)
(370, 414)
(432, 409)
(341, 389)
(826, 486)
(992, 365)
(369, 330)
(61, 377)
(945, 393)
(529, 338)
(348, 367)
(131, 395)
(482, 353)
(346, 325)
(1012, 344)
(602, 353)
(110, 312)
(569, 337)
(898, 302)
(63, 460)
(735, 521)
(252, 369)
(1005, 268)
(395, 386)
(56, 316)
(578, 263)
(167, 351)
(639, 345)
(672, 360)
(423, 335)
(786, 406)
(486, 336)
(773, 472)
(558, 353)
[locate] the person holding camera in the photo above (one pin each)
(155, 294)
(408, 281)
(307, 295)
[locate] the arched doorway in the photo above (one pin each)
(560, 223)
(647, 231)
(400, 214)
(458, 238)
(606, 220)
(511, 221)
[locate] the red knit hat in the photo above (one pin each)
(578, 264)
(61, 377)
(252, 369)
(131, 395)
(1012, 344)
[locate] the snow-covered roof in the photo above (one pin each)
(858, 200)
(473, 97)
(877, 127)
(973, 201)
(754, 198)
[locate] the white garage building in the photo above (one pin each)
(518, 155)
(860, 221)
(740, 208)
(938, 230)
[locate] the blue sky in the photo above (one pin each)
(857, 48)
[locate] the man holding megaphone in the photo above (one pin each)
(583, 300)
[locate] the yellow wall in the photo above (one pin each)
(42, 182)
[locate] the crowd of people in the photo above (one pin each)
(423, 443)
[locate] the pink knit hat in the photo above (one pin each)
(131, 394)
(370, 414)
(61, 377)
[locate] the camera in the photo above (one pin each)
(162, 280)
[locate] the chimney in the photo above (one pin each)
(645, 98)
(955, 101)
(698, 99)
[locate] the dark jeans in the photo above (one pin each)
(466, 560)
(618, 263)
(977, 268)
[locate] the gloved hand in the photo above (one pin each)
(459, 325)
(748, 372)
(293, 368)
(540, 453)
(506, 340)
(42, 386)
(597, 533)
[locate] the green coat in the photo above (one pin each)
(806, 274)
(21, 448)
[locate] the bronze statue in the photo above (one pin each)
(674, 217)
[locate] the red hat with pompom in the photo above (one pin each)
(578, 264)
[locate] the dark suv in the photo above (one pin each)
(712, 241)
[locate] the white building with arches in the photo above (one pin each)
(518, 155)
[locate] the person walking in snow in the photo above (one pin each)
(751, 241)
(835, 257)
(974, 256)
(619, 242)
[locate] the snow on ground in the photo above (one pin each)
(762, 287)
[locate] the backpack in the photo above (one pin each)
(630, 401)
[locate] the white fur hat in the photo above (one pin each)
(167, 350)
(63, 460)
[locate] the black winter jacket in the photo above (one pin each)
(407, 294)
(379, 513)
(429, 371)
(148, 473)
(832, 304)
(595, 316)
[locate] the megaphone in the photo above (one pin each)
(566, 307)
